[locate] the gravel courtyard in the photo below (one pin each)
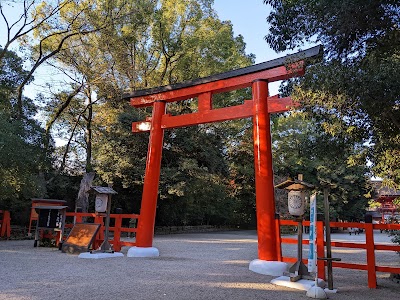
(190, 266)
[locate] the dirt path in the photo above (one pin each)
(190, 266)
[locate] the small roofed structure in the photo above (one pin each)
(385, 196)
(295, 184)
(103, 190)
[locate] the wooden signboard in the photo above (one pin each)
(80, 238)
(37, 202)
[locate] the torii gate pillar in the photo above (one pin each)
(267, 262)
(264, 175)
(145, 228)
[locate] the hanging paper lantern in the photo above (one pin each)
(296, 201)
(101, 202)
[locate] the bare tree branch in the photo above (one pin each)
(62, 108)
(40, 61)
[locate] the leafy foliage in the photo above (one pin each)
(152, 43)
(107, 48)
(354, 89)
(302, 146)
(22, 158)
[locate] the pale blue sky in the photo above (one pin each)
(249, 19)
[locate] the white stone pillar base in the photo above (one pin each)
(143, 252)
(265, 267)
(100, 255)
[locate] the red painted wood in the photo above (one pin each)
(207, 115)
(320, 250)
(278, 105)
(387, 247)
(388, 269)
(117, 229)
(348, 245)
(264, 175)
(289, 240)
(5, 230)
(293, 260)
(259, 108)
(216, 115)
(100, 235)
(117, 233)
(205, 102)
(79, 219)
(369, 240)
(294, 241)
(144, 237)
(278, 239)
(344, 265)
(224, 85)
(370, 266)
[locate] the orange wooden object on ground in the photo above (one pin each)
(117, 229)
(370, 247)
(321, 250)
(99, 219)
(278, 238)
(117, 234)
(5, 224)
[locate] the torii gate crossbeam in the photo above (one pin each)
(259, 108)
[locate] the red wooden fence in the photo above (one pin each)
(117, 229)
(371, 265)
(5, 228)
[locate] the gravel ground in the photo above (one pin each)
(190, 266)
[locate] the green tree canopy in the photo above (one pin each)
(354, 89)
(302, 146)
(152, 43)
(22, 158)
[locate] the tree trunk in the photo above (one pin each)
(88, 133)
(83, 196)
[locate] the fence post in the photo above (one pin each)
(100, 235)
(278, 237)
(78, 218)
(370, 247)
(117, 232)
(6, 224)
(320, 250)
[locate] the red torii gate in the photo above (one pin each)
(257, 77)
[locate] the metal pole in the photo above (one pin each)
(328, 239)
